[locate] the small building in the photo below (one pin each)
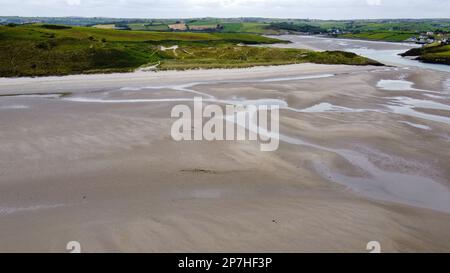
(412, 40)
(422, 41)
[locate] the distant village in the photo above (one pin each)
(441, 38)
(426, 38)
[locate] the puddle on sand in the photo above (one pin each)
(4, 211)
(13, 107)
(415, 125)
(389, 186)
(206, 194)
(328, 107)
(400, 85)
(447, 86)
(435, 96)
(382, 185)
(409, 111)
(405, 106)
(428, 104)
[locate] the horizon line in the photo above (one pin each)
(238, 17)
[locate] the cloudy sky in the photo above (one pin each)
(318, 9)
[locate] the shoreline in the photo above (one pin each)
(138, 71)
(72, 83)
(347, 39)
(375, 41)
(388, 53)
(144, 69)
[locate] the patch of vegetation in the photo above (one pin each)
(55, 27)
(204, 22)
(339, 57)
(34, 50)
(149, 27)
(248, 27)
(304, 28)
(439, 54)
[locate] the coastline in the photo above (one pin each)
(28, 84)
(387, 53)
(140, 71)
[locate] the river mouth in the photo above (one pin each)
(383, 52)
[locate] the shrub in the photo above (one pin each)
(55, 27)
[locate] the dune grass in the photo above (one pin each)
(41, 50)
(245, 56)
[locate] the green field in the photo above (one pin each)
(39, 50)
(254, 28)
(206, 22)
(234, 27)
(376, 30)
(259, 28)
(149, 27)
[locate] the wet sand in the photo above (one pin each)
(364, 156)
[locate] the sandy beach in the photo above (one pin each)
(364, 156)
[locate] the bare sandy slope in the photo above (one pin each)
(110, 176)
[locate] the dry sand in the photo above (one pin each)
(110, 176)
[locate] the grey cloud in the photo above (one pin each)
(321, 9)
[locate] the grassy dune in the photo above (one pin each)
(244, 56)
(39, 50)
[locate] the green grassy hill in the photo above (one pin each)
(431, 54)
(39, 50)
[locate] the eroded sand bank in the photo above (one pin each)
(364, 156)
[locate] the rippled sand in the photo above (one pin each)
(364, 156)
